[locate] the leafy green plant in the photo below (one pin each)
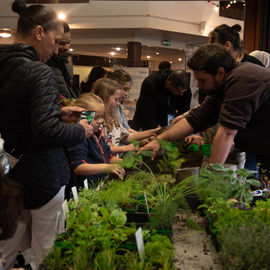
(134, 161)
(245, 248)
(170, 161)
(118, 218)
(159, 252)
(107, 259)
(243, 235)
(94, 237)
(122, 193)
(131, 261)
(221, 183)
(54, 260)
(166, 201)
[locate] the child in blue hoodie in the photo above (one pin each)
(93, 159)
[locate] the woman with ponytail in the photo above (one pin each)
(228, 36)
(35, 129)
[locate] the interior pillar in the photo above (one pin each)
(134, 54)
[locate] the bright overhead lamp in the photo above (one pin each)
(112, 53)
(170, 62)
(61, 16)
(148, 56)
(118, 48)
(157, 52)
(179, 59)
(5, 33)
(71, 49)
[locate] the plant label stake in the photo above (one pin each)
(58, 217)
(65, 209)
(85, 183)
(146, 202)
(75, 194)
(140, 243)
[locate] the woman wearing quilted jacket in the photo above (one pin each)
(35, 129)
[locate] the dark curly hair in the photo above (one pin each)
(210, 58)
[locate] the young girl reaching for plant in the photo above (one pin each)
(93, 159)
(125, 82)
(115, 134)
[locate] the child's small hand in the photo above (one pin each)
(118, 170)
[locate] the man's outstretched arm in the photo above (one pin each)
(222, 144)
(178, 131)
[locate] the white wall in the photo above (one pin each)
(176, 16)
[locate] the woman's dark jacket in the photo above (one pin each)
(30, 124)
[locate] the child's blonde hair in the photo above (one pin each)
(104, 88)
(87, 100)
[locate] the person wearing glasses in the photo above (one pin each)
(164, 95)
(62, 69)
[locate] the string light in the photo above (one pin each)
(216, 6)
(230, 4)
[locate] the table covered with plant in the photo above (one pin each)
(101, 226)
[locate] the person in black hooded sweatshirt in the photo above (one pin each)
(163, 96)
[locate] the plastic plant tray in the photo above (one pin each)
(137, 217)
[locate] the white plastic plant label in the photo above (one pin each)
(146, 202)
(65, 208)
(85, 183)
(140, 243)
(75, 194)
(58, 217)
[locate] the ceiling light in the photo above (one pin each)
(118, 48)
(170, 62)
(148, 57)
(112, 53)
(5, 34)
(61, 16)
(179, 59)
(70, 49)
(157, 52)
